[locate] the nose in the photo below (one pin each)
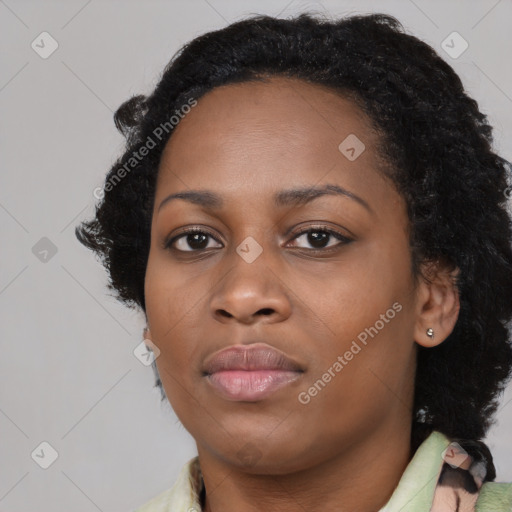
(250, 293)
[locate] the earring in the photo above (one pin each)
(430, 333)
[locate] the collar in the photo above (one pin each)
(420, 486)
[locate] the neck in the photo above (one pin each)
(362, 477)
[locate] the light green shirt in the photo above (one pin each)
(414, 492)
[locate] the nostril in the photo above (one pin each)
(263, 311)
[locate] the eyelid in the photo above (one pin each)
(321, 226)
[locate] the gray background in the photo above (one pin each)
(69, 375)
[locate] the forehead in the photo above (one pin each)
(275, 130)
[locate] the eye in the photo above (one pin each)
(191, 240)
(319, 237)
(198, 239)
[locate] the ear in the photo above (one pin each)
(437, 304)
(148, 341)
(146, 333)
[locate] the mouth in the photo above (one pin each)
(250, 373)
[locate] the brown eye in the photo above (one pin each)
(191, 240)
(320, 238)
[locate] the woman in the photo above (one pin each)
(312, 219)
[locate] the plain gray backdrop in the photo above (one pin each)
(69, 374)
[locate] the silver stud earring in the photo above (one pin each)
(430, 333)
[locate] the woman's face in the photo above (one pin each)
(339, 302)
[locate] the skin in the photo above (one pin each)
(246, 142)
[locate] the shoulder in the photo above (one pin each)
(465, 465)
(494, 497)
(183, 496)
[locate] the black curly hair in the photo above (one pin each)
(438, 147)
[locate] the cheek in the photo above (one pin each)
(170, 305)
(171, 293)
(352, 293)
(367, 305)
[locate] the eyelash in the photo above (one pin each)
(312, 229)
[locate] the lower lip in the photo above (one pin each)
(250, 386)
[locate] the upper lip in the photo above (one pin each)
(256, 356)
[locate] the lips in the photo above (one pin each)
(250, 372)
(257, 356)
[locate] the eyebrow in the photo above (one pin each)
(290, 197)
